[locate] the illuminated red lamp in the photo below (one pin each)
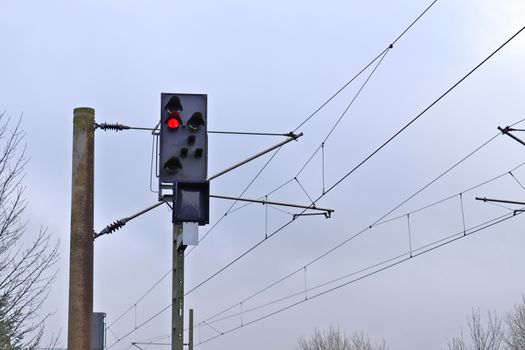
(174, 121)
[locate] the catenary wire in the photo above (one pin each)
(213, 319)
(300, 292)
(376, 223)
(421, 251)
(378, 149)
(361, 163)
(312, 202)
(379, 56)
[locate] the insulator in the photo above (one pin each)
(114, 226)
(112, 126)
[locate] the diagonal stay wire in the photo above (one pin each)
(262, 197)
(433, 246)
(376, 223)
(304, 190)
(341, 89)
(338, 182)
(356, 95)
(361, 88)
(514, 177)
(501, 206)
(365, 67)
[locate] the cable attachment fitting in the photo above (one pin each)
(111, 126)
(292, 135)
(505, 130)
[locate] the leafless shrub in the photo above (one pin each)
(333, 339)
(481, 338)
(515, 336)
(26, 271)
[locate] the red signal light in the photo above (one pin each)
(174, 121)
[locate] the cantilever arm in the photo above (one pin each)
(291, 137)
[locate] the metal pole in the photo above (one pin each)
(177, 308)
(190, 333)
(81, 247)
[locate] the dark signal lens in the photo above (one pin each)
(173, 165)
(196, 121)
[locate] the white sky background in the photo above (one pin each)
(265, 67)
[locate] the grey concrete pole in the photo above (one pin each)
(177, 308)
(81, 248)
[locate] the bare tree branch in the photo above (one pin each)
(333, 339)
(481, 338)
(27, 272)
(515, 338)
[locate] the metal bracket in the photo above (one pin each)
(327, 212)
(327, 215)
(506, 130)
(484, 199)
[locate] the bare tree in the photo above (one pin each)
(515, 337)
(490, 338)
(26, 270)
(333, 339)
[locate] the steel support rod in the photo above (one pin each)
(272, 203)
(290, 134)
(80, 314)
(144, 211)
(119, 223)
(177, 308)
(506, 132)
(190, 333)
(291, 138)
(499, 201)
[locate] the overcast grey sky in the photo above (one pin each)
(266, 66)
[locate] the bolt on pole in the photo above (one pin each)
(81, 246)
